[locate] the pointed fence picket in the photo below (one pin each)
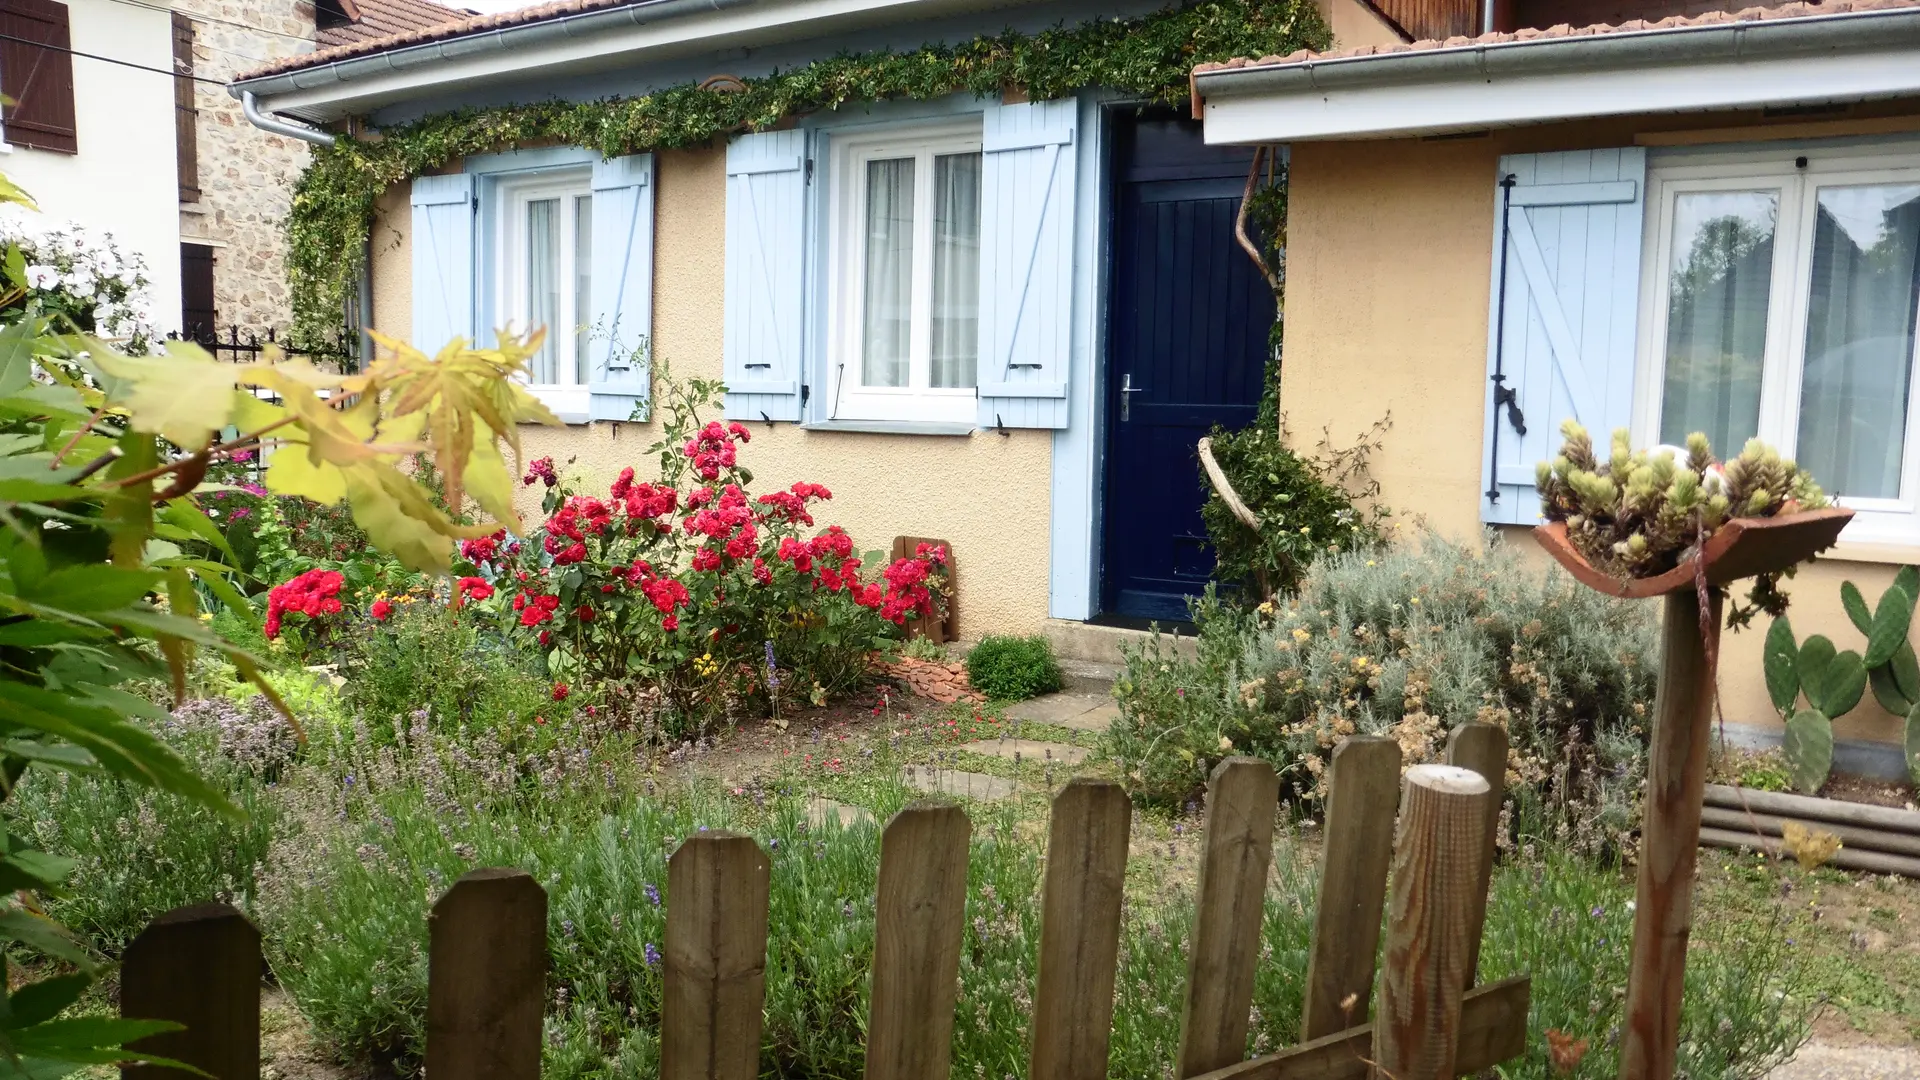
(487, 963)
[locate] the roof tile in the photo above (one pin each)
(1795, 10)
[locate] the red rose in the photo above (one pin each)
(380, 610)
(560, 691)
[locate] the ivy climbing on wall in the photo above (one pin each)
(1149, 56)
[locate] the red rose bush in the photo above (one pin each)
(694, 584)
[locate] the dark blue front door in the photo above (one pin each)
(1187, 326)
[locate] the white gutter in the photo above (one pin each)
(266, 122)
(608, 39)
(1849, 56)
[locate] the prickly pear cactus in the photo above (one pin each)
(1809, 749)
(1913, 746)
(1892, 668)
(1780, 662)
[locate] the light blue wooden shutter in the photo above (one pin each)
(766, 274)
(619, 383)
(1026, 263)
(442, 260)
(1566, 296)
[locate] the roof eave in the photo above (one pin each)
(1493, 84)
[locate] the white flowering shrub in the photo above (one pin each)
(67, 269)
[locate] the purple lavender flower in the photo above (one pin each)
(653, 893)
(652, 954)
(773, 671)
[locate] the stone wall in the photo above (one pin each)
(246, 175)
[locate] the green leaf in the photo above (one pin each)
(233, 598)
(1815, 654)
(90, 589)
(98, 1038)
(1890, 621)
(1856, 606)
(1842, 684)
(17, 346)
(58, 755)
(186, 514)
(1778, 662)
(38, 633)
(122, 748)
(1808, 745)
(37, 1003)
(44, 935)
(30, 869)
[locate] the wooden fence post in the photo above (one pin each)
(716, 959)
(487, 977)
(921, 911)
(1435, 865)
(1482, 747)
(1080, 931)
(198, 966)
(1669, 838)
(1242, 796)
(1363, 793)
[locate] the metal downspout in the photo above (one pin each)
(268, 122)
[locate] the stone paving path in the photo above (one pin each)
(970, 785)
(820, 810)
(1081, 710)
(1823, 1061)
(1028, 750)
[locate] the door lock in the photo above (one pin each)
(1127, 389)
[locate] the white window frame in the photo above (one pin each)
(568, 395)
(849, 398)
(1877, 521)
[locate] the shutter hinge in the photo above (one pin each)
(1509, 397)
(809, 176)
(476, 204)
(805, 393)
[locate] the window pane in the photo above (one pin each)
(1860, 312)
(543, 283)
(582, 284)
(1717, 297)
(956, 269)
(887, 309)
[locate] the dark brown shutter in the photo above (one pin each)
(198, 316)
(36, 72)
(185, 116)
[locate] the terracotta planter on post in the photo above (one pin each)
(1677, 761)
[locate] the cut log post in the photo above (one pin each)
(922, 910)
(1870, 862)
(1854, 837)
(198, 966)
(1436, 865)
(1482, 748)
(1237, 851)
(1363, 793)
(487, 977)
(1080, 931)
(1813, 811)
(1670, 836)
(716, 959)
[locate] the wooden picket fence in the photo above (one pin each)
(488, 936)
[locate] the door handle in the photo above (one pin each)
(1127, 389)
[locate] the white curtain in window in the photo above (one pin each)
(1717, 296)
(543, 284)
(956, 270)
(887, 307)
(582, 284)
(1860, 325)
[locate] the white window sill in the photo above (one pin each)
(1861, 551)
(894, 427)
(569, 403)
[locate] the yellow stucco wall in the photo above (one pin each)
(1389, 249)
(986, 494)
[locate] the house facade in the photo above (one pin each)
(1681, 221)
(121, 123)
(93, 139)
(995, 321)
(236, 180)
